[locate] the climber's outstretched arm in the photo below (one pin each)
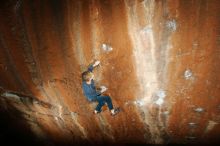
(92, 66)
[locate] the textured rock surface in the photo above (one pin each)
(159, 60)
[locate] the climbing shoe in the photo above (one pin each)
(96, 112)
(115, 111)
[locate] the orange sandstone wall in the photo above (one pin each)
(159, 60)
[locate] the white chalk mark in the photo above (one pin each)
(188, 74)
(106, 48)
(171, 25)
(199, 110)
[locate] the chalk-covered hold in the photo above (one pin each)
(106, 48)
(192, 125)
(161, 94)
(188, 74)
(171, 25)
(139, 103)
(199, 110)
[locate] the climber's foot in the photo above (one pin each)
(96, 112)
(115, 111)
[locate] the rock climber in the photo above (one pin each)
(95, 95)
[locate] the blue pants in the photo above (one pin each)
(101, 102)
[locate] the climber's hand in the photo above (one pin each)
(96, 63)
(103, 89)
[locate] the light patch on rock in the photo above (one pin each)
(56, 118)
(139, 102)
(147, 30)
(171, 25)
(161, 94)
(106, 128)
(144, 52)
(11, 96)
(192, 125)
(73, 114)
(210, 126)
(188, 74)
(159, 101)
(106, 48)
(60, 111)
(199, 110)
(195, 44)
(166, 113)
(81, 128)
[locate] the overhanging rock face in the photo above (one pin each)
(159, 60)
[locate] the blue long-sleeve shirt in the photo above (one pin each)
(89, 90)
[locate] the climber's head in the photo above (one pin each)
(87, 76)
